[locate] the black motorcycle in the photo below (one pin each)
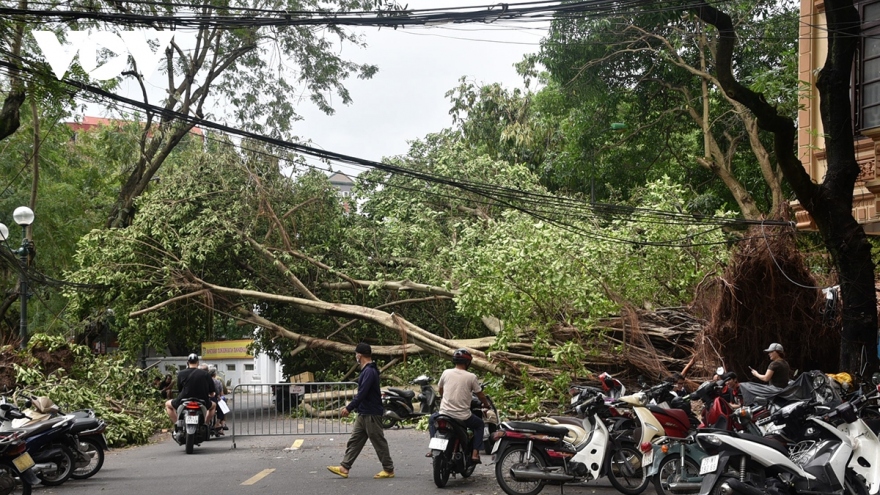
(191, 429)
(398, 402)
(16, 465)
(452, 444)
(87, 428)
(49, 442)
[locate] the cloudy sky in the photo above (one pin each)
(405, 100)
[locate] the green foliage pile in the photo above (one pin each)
(119, 394)
(533, 274)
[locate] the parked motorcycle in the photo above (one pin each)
(398, 402)
(191, 429)
(815, 460)
(87, 428)
(49, 443)
(530, 455)
(16, 465)
(673, 460)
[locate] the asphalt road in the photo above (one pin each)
(282, 465)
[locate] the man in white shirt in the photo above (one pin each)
(456, 387)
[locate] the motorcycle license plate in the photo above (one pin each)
(438, 444)
(192, 420)
(23, 462)
(709, 464)
(495, 447)
(648, 458)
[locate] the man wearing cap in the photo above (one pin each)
(368, 424)
(778, 371)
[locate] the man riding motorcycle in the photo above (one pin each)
(456, 388)
(192, 383)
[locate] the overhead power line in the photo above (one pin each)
(544, 206)
(203, 15)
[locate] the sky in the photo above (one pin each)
(406, 99)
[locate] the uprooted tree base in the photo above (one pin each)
(47, 360)
(767, 294)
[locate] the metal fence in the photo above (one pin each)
(289, 409)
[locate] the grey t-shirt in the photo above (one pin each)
(458, 388)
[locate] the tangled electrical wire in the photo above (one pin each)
(556, 210)
(233, 17)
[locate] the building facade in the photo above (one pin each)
(812, 50)
(235, 365)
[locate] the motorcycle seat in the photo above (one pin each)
(406, 394)
(84, 424)
(36, 428)
(557, 431)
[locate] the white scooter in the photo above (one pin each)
(816, 460)
(529, 455)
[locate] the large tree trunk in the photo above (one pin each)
(829, 203)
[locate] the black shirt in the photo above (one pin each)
(193, 382)
(368, 400)
(781, 372)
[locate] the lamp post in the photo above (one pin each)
(23, 216)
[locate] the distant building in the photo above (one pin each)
(234, 364)
(343, 183)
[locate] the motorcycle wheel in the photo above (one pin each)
(64, 463)
(853, 484)
(10, 482)
(504, 464)
(717, 489)
(91, 448)
(487, 441)
(622, 474)
(441, 470)
(670, 471)
(190, 442)
(387, 422)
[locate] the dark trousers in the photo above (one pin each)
(474, 423)
(367, 427)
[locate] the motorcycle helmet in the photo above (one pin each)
(608, 382)
(192, 358)
(462, 356)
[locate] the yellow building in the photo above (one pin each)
(812, 50)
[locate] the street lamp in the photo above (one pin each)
(23, 216)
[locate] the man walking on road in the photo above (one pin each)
(368, 424)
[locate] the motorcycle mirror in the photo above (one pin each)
(28, 403)
(641, 380)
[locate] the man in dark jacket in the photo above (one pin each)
(193, 384)
(368, 424)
